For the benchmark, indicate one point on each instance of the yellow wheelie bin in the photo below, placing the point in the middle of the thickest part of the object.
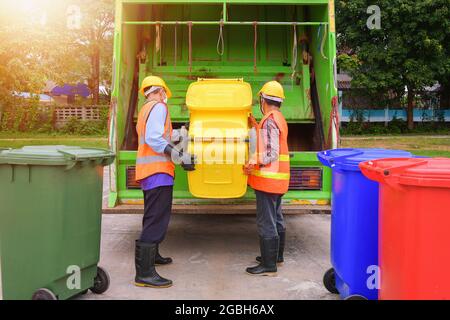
(219, 137)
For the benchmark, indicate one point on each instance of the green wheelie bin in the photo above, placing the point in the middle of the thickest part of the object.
(50, 222)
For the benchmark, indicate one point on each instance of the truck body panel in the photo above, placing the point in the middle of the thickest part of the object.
(182, 42)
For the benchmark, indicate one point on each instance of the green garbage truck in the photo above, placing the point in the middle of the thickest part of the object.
(291, 41)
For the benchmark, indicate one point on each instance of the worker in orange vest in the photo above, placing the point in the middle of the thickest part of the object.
(155, 171)
(269, 175)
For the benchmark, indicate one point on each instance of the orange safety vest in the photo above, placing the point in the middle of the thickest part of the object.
(148, 161)
(275, 177)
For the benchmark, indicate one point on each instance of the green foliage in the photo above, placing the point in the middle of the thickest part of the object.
(80, 127)
(26, 116)
(348, 63)
(411, 49)
(36, 44)
(408, 50)
(395, 126)
(29, 116)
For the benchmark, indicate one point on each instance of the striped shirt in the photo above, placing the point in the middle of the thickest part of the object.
(270, 134)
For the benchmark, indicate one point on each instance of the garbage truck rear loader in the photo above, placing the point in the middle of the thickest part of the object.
(291, 41)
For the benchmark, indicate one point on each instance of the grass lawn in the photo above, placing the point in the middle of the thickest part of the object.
(431, 146)
(18, 140)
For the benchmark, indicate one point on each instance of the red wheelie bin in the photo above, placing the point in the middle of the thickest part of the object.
(414, 227)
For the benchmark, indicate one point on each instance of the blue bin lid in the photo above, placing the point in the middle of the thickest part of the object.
(349, 159)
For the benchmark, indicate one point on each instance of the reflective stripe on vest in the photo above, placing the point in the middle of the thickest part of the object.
(152, 159)
(274, 177)
(148, 161)
(271, 175)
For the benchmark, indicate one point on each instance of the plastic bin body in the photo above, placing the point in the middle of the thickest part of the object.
(219, 135)
(414, 227)
(50, 220)
(354, 221)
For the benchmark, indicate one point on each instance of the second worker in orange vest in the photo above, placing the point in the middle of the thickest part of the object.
(269, 176)
(155, 171)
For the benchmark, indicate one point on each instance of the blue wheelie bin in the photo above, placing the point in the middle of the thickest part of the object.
(354, 223)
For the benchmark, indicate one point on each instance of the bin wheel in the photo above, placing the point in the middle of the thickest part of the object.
(101, 281)
(44, 294)
(329, 281)
(355, 297)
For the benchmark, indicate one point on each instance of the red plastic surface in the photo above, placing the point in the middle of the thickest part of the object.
(414, 227)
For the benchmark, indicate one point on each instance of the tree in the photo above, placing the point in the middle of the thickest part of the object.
(407, 51)
(39, 42)
(94, 37)
(24, 52)
(444, 75)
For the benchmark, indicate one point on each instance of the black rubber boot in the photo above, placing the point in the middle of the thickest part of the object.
(269, 254)
(146, 275)
(160, 261)
(280, 260)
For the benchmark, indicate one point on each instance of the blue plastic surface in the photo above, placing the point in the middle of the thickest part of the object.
(354, 220)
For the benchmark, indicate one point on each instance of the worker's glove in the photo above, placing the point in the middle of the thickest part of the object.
(176, 136)
(180, 136)
(186, 160)
(252, 123)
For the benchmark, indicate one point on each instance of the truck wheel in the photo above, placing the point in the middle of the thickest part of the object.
(101, 281)
(44, 294)
(329, 281)
(355, 297)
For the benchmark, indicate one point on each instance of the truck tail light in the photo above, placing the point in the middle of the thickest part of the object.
(131, 182)
(306, 179)
(301, 179)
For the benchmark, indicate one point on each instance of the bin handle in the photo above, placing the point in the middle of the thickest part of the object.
(75, 158)
(384, 175)
(389, 171)
(394, 169)
(212, 80)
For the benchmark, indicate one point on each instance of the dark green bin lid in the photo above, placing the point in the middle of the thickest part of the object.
(55, 156)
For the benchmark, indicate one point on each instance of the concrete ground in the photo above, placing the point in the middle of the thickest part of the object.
(210, 256)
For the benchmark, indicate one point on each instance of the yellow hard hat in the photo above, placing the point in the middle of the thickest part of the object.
(273, 89)
(153, 81)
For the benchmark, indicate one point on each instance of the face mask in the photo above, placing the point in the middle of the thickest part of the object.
(165, 99)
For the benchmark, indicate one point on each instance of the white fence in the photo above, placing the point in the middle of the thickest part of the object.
(84, 113)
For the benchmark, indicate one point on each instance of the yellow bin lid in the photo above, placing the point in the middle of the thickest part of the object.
(219, 95)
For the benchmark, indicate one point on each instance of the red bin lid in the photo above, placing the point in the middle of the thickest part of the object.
(430, 172)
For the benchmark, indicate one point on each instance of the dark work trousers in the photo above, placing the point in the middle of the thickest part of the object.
(269, 216)
(157, 212)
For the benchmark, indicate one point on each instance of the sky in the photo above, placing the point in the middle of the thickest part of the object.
(32, 11)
